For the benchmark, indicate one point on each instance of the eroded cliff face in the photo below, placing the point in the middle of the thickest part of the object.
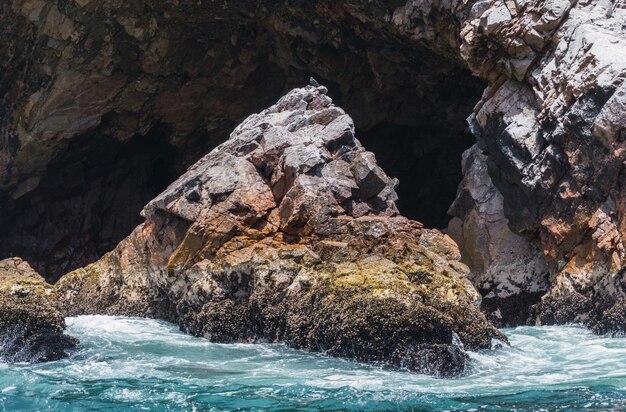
(510, 272)
(541, 205)
(552, 128)
(105, 103)
(289, 232)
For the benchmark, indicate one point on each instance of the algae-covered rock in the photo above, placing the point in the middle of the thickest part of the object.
(289, 232)
(31, 325)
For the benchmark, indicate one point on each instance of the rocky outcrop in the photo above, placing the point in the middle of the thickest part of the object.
(507, 269)
(31, 325)
(288, 232)
(552, 127)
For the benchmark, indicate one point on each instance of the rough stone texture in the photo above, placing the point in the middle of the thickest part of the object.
(507, 269)
(552, 127)
(31, 325)
(551, 123)
(289, 232)
(104, 103)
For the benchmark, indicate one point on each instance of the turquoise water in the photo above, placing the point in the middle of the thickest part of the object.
(126, 364)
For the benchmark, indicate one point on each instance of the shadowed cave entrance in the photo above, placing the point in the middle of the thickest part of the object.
(88, 200)
(427, 163)
(410, 113)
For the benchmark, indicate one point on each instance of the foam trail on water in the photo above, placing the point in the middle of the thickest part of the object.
(128, 363)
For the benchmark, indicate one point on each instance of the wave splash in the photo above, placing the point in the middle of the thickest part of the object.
(128, 363)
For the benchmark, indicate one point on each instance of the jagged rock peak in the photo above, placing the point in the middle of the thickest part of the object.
(288, 232)
(292, 166)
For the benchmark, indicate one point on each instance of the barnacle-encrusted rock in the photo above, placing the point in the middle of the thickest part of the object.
(31, 325)
(289, 232)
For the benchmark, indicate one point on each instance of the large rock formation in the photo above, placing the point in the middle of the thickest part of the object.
(549, 127)
(289, 232)
(103, 104)
(552, 126)
(31, 325)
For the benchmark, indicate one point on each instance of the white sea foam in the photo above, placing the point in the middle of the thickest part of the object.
(131, 361)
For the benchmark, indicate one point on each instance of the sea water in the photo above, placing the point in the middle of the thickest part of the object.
(128, 364)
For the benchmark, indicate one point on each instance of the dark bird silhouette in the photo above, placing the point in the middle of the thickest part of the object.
(313, 82)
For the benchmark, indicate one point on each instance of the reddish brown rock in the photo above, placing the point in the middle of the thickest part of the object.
(289, 232)
(31, 325)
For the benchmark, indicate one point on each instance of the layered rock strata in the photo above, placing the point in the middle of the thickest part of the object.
(31, 325)
(288, 232)
(552, 127)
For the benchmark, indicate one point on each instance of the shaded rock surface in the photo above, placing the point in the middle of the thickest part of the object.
(31, 325)
(288, 232)
(507, 269)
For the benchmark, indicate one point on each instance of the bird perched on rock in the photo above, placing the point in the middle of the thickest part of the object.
(313, 82)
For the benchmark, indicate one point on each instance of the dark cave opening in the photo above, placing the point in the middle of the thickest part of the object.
(409, 107)
(410, 110)
(89, 199)
(427, 164)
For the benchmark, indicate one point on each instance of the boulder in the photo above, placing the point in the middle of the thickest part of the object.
(289, 232)
(31, 325)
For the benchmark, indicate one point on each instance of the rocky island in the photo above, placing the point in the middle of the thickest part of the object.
(289, 232)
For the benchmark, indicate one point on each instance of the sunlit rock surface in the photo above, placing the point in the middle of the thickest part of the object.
(288, 232)
(31, 325)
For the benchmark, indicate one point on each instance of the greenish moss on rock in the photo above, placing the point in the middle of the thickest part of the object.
(289, 232)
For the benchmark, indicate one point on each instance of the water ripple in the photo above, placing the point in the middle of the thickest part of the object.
(131, 364)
